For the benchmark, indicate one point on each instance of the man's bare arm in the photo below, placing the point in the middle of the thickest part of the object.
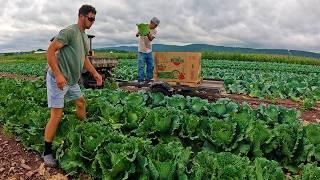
(89, 67)
(53, 63)
(52, 58)
(150, 37)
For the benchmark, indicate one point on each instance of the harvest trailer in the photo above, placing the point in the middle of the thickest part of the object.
(174, 73)
(179, 73)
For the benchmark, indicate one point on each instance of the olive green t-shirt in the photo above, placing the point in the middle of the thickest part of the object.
(72, 55)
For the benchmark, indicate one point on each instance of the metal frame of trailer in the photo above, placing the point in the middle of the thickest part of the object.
(207, 86)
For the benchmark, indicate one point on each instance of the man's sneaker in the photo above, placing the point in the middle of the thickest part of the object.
(49, 161)
(148, 81)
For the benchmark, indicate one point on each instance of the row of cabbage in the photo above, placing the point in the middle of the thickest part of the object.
(300, 83)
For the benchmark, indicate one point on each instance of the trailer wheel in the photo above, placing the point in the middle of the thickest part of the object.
(162, 87)
(84, 80)
(88, 81)
(161, 90)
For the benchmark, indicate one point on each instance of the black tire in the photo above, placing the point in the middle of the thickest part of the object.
(162, 89)
(84, 81)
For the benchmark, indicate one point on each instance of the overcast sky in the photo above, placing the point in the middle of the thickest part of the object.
(285, 24)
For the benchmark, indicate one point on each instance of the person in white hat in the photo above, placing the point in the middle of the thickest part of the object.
(145, 52)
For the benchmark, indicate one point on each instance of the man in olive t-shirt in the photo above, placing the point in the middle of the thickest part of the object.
(67, 56)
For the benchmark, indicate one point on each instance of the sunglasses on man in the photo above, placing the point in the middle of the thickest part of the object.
(91, 19)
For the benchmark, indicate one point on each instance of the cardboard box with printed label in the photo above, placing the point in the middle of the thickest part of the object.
(183, 68)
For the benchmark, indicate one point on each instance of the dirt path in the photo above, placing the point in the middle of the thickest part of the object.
(312, 115)
(308, 116)
(20, 77)
(20, 164)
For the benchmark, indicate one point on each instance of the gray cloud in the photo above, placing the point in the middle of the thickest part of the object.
(287, 24)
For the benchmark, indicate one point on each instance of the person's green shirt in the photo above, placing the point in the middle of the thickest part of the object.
(72, 56)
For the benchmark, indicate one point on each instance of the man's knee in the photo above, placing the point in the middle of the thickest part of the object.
(56, 114)
(81, 102)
